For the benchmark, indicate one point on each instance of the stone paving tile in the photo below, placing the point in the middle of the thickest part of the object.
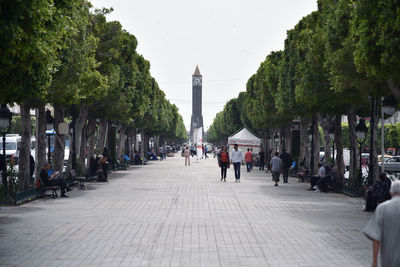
(166, 214)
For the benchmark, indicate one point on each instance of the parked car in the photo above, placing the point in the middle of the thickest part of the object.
(385, 157)
(13, 145)
(391, 164)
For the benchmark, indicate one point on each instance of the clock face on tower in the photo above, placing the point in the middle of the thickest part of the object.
(196, 81)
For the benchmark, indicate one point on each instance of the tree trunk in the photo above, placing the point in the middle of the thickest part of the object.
(146, 143)
(121, 143)
(142, 141)
(90, 133)
(59, 145)
(354, 163)
(134, 141)
(326, 123)
(102, 136)
(373, 166)
(288, 138)
(337, 124)
(80, 124)
(40, 150)
(25, 150)
(156, 143)
(82, 150)
(316, 143)
(304, 142)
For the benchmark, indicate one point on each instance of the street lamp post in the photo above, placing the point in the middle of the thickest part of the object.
(332, 136)
(276, 140)
(5, 125)
(311, 138)
(361, 133)
(49, 126)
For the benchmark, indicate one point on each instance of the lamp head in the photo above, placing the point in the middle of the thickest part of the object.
(389, 105)
(332, 132)
(276, 138)
(49, 120)
(361, 130)
(5, 119)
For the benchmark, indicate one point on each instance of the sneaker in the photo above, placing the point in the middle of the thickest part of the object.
(63, 195)
(275, 184)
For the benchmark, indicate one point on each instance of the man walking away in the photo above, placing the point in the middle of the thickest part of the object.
(205, 152)
(237, 158)
(248, 157)
(262, 159)
(286, 161)
(384, 230)
(276, 168)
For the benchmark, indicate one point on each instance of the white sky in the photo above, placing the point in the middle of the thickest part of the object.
(228, 39)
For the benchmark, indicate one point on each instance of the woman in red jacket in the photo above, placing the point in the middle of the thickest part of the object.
(223, 162)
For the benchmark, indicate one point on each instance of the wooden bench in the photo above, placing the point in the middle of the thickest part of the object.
(79, 180)
(53, 190)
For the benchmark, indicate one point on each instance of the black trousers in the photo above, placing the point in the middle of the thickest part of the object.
(285, 173)
(314, 180)
(104, 167)
(59, 182)
(223, 171)
(262, 163)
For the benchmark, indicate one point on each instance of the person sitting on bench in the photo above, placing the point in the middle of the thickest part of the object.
(53, 180)
(137, 160)
(315, 178)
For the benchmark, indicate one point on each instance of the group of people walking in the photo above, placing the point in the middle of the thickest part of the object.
(278, 164)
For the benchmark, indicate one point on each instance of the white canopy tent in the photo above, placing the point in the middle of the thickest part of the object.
(244, 139)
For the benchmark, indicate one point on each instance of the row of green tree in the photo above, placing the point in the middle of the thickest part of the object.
(61, 53)
(339, 60)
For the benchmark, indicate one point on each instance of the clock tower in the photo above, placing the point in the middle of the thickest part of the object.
(197, 117)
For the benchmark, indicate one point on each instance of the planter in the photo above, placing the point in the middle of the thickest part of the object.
(21, 197)
(352, 192)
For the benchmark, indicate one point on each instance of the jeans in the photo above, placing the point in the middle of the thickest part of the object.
(249, 166)
(236, 166)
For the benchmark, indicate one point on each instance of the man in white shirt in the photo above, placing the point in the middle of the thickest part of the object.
(236, 159)
(321, 174)
(384, 229)
(276, 168)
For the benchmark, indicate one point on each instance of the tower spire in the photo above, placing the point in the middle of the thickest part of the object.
(197, 71)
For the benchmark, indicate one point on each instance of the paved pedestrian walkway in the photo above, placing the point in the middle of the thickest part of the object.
(166, 214)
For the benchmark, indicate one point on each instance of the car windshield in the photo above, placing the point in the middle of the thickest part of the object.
(11, 146)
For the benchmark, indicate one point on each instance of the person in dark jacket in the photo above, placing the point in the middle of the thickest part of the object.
(286, 163)
(52, 180)
(262, 159)
(105, 162)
